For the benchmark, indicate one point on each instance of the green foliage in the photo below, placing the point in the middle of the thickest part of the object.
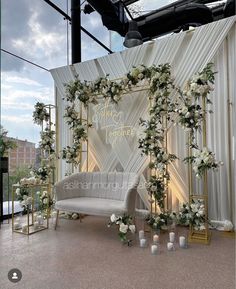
(5, 144)
(14, 178)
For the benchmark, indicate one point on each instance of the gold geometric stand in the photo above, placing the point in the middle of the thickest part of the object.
(202, 237)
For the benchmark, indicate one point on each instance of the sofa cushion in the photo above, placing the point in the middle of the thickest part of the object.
(93, 206)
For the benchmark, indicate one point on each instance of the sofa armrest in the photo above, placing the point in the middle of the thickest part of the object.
(130, 198)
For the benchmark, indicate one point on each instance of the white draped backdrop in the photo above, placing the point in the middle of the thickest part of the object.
(188, 53)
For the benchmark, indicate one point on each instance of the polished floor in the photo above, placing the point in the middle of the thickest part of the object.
(88, 255)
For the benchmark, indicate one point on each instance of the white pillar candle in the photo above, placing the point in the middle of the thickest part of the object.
(155, 239)
(154, 249)
(40, 220)
(172, 237)
(170, 246)
(17, 225)
(17, 220)
(141, 234)
(182, 242)
(36, 225)
(143, 243)
(25, 229)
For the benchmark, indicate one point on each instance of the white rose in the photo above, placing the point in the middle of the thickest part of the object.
(194, 86)
(228, 226)
(132, 228)
(202, 227)
(140, 76)
(113, 218)
(135, 72)
(18, 191)
(153, 188)
(123, 228)
(45, 201)
(201, 212)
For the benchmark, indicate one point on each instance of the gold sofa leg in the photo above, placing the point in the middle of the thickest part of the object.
(56, 220)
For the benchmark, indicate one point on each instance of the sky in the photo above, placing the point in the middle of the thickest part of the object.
(35, 31)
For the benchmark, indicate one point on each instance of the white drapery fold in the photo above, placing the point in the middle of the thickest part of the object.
(188, 52)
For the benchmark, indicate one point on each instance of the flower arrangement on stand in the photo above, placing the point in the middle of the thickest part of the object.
(193, 214)
(125, 224)
(159, 221)
(196, 97)
(203, 160)
(154, 142)
(23, 196)
(40, 113)
(42, 173)
(45, 201)
(43, 115)
(79, 128)
(47, 142)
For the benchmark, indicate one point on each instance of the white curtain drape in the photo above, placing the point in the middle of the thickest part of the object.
(187, 52)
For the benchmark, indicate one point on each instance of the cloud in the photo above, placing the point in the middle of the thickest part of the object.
(22, 80)
(35, 32)
(21, 127)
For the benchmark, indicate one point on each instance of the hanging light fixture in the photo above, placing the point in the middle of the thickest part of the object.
(133, 37)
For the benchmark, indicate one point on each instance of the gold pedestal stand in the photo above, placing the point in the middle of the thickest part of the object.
(30, 221)
(197, 236)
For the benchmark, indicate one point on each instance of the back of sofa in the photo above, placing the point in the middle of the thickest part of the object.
(96, 185)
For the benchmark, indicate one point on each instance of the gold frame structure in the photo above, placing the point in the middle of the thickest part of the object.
(50, 107)
(84, 117)
(204, 235)
(30, 210)
(154, 172)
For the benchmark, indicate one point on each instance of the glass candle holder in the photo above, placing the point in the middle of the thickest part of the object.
(170, 246)
(183, 242)
(143, 243)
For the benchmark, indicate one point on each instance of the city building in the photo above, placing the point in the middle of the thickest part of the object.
(23, 155)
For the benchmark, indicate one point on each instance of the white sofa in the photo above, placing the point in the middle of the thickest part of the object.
(97, 193)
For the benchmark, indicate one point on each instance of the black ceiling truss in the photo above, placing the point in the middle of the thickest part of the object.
(174, 17)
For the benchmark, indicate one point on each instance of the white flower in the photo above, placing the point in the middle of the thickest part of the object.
(45, 201)
(201, 212)
(113, 218)
(132, 228)
(135, 72)
(123, 228)
(140, 76)
(74, 216)
(18, 191)
(165, 157)
(202, 227)
(228, 226)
